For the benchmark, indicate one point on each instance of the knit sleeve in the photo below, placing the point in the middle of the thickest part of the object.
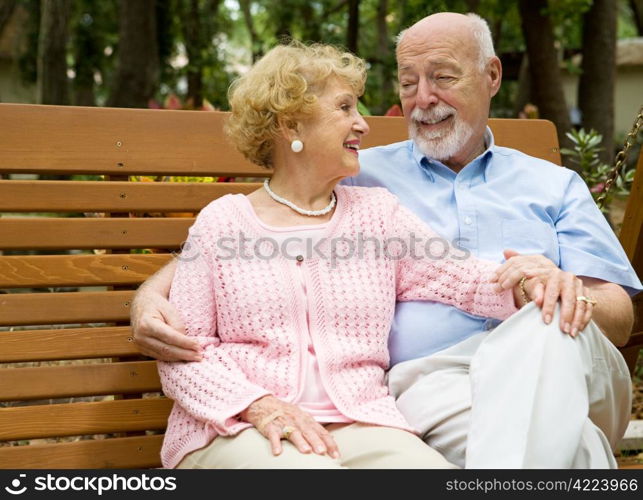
(429, 267)
(215, 389)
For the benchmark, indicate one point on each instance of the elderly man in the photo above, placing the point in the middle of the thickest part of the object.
(532, 392)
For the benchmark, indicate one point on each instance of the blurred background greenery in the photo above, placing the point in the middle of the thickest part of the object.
(587, 55)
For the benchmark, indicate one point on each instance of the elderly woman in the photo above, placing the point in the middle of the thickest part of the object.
(291, 290)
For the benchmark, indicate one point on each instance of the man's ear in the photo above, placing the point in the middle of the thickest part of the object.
(494, 72)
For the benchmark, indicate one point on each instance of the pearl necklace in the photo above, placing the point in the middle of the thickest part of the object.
(310, 213)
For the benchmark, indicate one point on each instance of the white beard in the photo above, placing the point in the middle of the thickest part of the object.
(439, 144)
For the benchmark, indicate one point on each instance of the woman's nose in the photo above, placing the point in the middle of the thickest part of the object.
(361, 125)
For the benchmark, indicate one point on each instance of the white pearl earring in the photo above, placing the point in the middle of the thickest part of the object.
(297, 146)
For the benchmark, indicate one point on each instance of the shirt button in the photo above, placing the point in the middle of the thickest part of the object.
(468, 220)
(299, 258)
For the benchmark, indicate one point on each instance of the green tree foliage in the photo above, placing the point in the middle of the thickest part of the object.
(230, 34)
(585, 154)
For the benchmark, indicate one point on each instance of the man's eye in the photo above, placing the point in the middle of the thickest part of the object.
(345, 107)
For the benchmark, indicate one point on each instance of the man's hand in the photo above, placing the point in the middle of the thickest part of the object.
(158, 329)
(547, 284)
(278, 420)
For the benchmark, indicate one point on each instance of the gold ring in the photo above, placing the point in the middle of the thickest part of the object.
(523, 292)
(266, 420)
(287, 431)
(587, 300)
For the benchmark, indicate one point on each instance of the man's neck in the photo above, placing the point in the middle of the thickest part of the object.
(463, 158)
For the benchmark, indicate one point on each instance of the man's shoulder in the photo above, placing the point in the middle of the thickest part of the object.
(524, 164)
(366, 194)
(379, 163)
(377, 154)
(377, 202)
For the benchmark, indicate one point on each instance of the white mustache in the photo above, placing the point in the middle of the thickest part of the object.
(434, 115)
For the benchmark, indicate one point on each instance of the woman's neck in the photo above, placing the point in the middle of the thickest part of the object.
(305, 191)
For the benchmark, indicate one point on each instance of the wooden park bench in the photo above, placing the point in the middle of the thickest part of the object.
(74, 391)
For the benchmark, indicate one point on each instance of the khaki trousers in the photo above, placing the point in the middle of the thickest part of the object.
(360, 447)
(524, 395)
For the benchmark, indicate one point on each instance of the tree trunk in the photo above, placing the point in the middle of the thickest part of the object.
(637, 11)
(194, 46)
(53, 86)
(137, 67)
(352, 34)
(546, 82)
(283, 11)
(311, 25)
(384, 56)
(6, 10)
(523, 95)
(496, 33)
(254, 39)
(596, 84)
(86, 54)
(472, 5)
(166, 11)
(404, 17)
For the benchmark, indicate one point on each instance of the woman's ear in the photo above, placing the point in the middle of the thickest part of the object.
(289, 129)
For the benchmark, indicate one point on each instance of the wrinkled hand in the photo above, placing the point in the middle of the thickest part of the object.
(546, 284)
(270, 415)
(159, 331)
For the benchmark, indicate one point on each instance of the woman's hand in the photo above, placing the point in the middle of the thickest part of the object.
(546, 284)
(278, 420)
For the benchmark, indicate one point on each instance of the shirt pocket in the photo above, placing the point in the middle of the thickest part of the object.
(530, 237)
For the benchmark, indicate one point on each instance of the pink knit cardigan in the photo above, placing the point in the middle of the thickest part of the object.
(247, 312)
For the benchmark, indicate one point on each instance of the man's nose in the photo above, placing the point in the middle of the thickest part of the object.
(426, 95)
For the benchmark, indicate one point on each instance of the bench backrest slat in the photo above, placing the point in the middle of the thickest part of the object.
(632, 232)
(53, 382)
(74, 196)
(87, 233)
(78, 270)
(60, 139)
(64, 307)
(63, 344)
(126, 142)
(631, 238)
(34, 422)
(135, 452)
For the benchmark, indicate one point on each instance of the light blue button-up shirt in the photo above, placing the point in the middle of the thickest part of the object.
(503, 199)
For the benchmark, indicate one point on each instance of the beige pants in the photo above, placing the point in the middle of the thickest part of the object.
(522, 396)
(360, 446)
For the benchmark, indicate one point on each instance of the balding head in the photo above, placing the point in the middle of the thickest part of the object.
(448, 74)
(470, 28)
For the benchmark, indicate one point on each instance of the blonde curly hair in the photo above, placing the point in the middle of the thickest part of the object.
(282, 87)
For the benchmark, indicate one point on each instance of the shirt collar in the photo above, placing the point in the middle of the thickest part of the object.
(480, 163)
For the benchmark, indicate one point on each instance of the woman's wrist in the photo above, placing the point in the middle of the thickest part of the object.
(245, 415)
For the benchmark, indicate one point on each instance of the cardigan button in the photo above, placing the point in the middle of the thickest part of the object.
(299, 258)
